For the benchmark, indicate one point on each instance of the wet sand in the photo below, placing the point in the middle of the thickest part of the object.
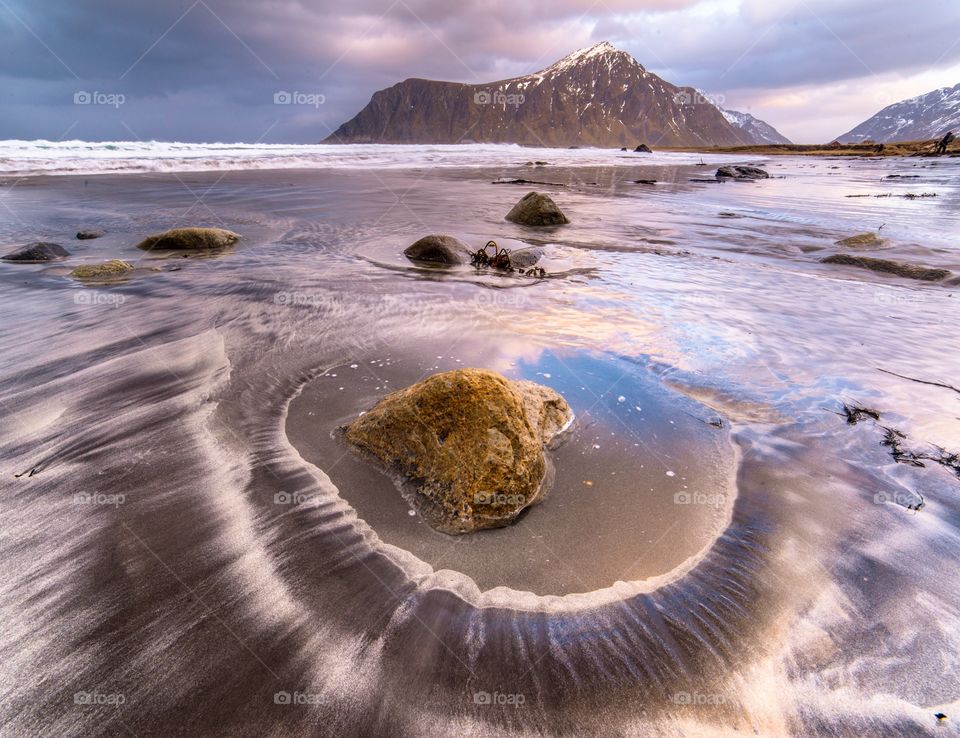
(188, 555)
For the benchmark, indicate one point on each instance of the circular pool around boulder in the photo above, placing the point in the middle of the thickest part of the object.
(644, 480)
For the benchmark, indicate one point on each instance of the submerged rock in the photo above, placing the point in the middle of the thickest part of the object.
(468, 443)
(901, 269)
(107, 270)
(37, 252)
(537, 209)
(862, 241)
(178, 239)
(438, 249)
(741, 172)
(87, 234)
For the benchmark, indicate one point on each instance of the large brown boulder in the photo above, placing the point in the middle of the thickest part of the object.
(537, 209)
(178, 239)
(467, 444)
(438, 249)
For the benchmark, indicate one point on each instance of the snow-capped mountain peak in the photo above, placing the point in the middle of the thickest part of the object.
(755, 130)
(919, 118)
(603, 51)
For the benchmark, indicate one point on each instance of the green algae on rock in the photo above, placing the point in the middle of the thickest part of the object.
(862, 240)
(178, 239)
(901, 269)
(104, 271)
(469, 444)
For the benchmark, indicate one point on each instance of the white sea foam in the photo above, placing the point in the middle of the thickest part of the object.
(86, 158)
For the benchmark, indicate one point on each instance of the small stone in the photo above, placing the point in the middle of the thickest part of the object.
(88, 234)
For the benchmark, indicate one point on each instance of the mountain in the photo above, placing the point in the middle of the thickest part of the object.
(917, 119)
(755, 131)
(599, 96)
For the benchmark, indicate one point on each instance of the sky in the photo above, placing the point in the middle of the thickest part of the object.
(291, 71)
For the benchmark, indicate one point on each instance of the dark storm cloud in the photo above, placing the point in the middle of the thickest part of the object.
(208, 69)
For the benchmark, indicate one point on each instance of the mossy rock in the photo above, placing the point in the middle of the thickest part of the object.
(862, 241)
(901, 269)
(104, 271)
(195, 239)
(468, 444)
(537, 209)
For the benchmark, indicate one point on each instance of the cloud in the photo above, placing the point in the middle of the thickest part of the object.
(208, 69)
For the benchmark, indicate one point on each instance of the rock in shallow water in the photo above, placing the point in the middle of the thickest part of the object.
(438, 249)
(901, 269)
(537, 209)
(105, 271)
(38, 252)
(469, 442)
(862, 240)
(190, 238)
(89, 233)
(741, 172)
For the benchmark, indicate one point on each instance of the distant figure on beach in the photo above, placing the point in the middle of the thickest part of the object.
(944, 142)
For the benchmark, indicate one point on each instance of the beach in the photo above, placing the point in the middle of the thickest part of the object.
(189, 542)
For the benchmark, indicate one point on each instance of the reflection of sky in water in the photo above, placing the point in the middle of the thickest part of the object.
(633, 448)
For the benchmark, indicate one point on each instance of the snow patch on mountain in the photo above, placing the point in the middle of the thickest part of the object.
(919, 118)
(755, 130)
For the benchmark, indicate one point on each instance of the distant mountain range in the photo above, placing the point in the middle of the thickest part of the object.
(919, 118)
(755, 130)
(599, 96)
